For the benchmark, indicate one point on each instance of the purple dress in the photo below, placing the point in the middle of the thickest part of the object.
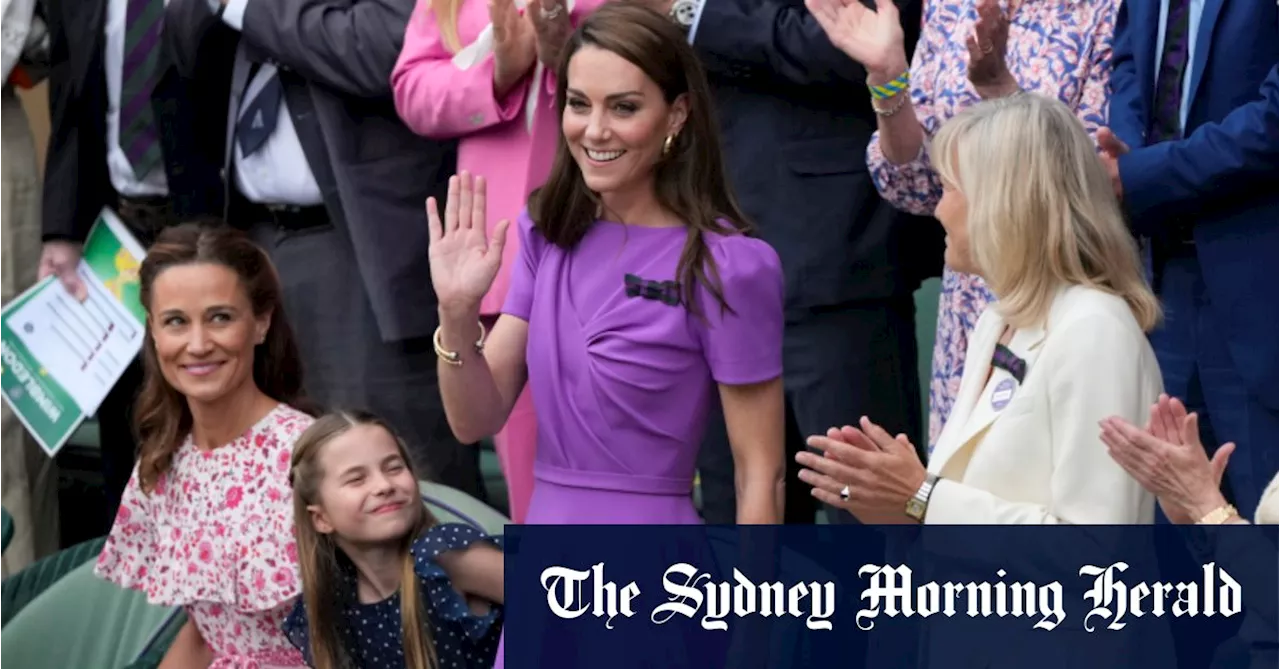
(623, 381)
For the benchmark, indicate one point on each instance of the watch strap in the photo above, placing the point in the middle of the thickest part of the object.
(918, 505)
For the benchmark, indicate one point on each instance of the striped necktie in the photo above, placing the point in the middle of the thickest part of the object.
(139, 136)
(1166, 114)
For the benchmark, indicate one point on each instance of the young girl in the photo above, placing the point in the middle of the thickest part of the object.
(362, 534)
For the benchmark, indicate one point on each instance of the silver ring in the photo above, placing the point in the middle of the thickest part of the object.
(844, 493)
(552, 13)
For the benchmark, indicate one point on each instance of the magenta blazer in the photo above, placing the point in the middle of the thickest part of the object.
(511, 141)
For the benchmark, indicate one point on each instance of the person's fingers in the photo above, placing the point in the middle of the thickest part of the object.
(451, 206)
(499, 239)
(466, 194)
(821, 481)
(1219, 462)
(883, 440)
(1189, 429)
(853, 455)
(478, 204)
(435, 228)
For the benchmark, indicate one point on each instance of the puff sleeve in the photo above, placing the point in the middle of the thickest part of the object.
(743, 343)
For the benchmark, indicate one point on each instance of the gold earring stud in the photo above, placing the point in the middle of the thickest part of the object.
(666, 145)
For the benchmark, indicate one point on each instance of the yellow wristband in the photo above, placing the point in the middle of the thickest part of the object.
(891, 88)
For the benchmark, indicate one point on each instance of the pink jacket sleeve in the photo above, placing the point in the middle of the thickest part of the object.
(439, 98)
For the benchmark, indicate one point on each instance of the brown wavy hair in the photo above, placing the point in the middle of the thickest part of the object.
(689, 180)
(318, 554)
(161, 415)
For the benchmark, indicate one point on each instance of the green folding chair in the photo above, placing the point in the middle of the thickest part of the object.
(85, 622)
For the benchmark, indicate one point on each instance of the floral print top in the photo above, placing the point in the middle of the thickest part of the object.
(216, 537)
(1059, 48)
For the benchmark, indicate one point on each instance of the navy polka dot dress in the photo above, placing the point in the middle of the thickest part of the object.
(463, 639)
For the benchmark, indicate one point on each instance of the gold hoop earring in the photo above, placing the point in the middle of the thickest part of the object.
(666, 145)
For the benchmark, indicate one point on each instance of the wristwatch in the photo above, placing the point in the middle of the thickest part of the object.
(919, 502)
(684, 12)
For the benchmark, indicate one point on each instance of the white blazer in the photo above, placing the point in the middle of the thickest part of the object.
(1036, 457)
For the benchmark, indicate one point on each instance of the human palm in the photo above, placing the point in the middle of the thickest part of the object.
(515, 43)
(872, 37)
(463, 260)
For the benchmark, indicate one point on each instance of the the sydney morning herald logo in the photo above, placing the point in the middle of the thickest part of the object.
(890, 591)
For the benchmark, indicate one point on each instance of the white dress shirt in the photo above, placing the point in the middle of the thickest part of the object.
(278, 172)
(119, 168)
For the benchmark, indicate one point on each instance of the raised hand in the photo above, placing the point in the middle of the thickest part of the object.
(514, 45)
(873, 38)
(551, 24)
(463, 261)
(987, 44)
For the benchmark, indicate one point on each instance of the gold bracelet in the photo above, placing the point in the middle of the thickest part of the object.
(453, 357)
(897, 106)
(1218, 516)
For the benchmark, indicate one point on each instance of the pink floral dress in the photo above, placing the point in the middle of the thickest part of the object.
(216, 537)
(1056, 48)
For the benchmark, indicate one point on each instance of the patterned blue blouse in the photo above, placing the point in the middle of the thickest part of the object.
(463, 639)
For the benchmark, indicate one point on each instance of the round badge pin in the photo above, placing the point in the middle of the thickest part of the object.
(1002, 394)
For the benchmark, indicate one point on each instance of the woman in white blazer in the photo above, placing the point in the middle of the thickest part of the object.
(1027, 206)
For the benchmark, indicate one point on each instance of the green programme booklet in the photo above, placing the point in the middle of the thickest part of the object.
(61, 356)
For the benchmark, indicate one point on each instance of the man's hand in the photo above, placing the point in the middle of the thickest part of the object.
(1112, 149)
(62, 258)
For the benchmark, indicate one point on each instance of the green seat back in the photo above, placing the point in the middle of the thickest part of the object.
(23, 587)
(450, 505)
(84, 622)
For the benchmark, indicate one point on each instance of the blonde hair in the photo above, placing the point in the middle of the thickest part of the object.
(1042, 213)
(446, 12)
(318, 554)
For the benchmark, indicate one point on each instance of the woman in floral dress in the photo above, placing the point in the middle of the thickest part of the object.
(969, 50)
(206, 521)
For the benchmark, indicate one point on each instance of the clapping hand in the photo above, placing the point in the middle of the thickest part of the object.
(882, 472)
(514, 45)
(1112, 149)
(552, 26)
(463, 261)
(873, 38)
(1169, 460)
(987, 44)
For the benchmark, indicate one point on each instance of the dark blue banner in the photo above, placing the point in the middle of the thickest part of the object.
(854, 596)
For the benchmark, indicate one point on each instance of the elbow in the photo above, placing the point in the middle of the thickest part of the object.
(413, 107)
(466, 434)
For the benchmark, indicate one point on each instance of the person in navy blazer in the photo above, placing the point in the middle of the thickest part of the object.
(1192, 150)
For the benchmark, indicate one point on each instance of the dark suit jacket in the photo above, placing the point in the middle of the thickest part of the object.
(1222, 176)
(796, 117)
(77, 184)
(335, 59)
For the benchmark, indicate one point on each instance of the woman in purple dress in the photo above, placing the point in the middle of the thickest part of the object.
(638, 295)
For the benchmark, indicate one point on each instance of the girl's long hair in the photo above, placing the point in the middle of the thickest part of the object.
(319, 560)
(689, 180)
(161, 415)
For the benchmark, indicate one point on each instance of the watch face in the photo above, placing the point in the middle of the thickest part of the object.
(915, 509)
